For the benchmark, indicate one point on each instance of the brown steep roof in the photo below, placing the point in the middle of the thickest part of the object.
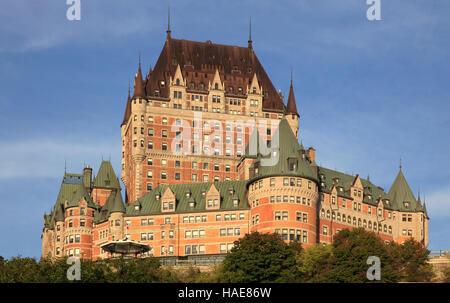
(291, 107)
(199, 62)
(127, 113)
(139, 84)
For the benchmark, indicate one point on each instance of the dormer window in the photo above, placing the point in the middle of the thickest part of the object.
(231, 191)
(406, 204)
(157, 196)
(235, 202)
(163, 83)
(156, 93)
(136, 207)
(191, 204)
(188, 194)
(292, 164)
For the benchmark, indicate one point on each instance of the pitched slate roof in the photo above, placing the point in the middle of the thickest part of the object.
(106, 177)
(113, 204)
(199, 62)
(80, 194)
(149, 205)
(288, 148)
(329, 177)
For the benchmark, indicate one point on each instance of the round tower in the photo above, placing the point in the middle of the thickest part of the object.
(78, 224)
(283, 196)
(138, 130)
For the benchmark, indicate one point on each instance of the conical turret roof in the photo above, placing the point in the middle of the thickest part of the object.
(291, 107)
(79, 195)
(139, 91)
(400, 192)
(288, 150)
(106, 177)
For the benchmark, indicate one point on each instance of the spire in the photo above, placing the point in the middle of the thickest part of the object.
(250, 35)
(139, 83)
(168, 23)
(291, 107)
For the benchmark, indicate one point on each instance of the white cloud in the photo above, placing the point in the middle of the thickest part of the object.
(438, 203)
(44, 158)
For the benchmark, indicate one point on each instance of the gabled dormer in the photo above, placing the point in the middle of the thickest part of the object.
(357, 189)
(212, 198)
(178, 79)
(380, 207)
(333, 195)
(254, 87)
(168, 201)
(217, 83)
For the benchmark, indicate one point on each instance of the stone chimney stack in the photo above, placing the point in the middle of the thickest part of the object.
(312, 154)
(87, 178)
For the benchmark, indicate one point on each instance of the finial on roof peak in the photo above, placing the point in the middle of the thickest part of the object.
(400, 166)
(250, 42)
(168, 23)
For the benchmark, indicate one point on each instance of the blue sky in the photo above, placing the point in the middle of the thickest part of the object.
(368, 92)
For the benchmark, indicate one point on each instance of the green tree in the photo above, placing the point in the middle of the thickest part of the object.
(410, 261)
(351, 249)
(314, 264)
(260, 258)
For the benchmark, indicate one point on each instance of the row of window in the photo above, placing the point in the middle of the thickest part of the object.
(293, 234)
(71, 224)
(73, 239)
(177, 176)
(357, 222)
(286, 182)
(177, 163)
(290, 199)
(230, 232)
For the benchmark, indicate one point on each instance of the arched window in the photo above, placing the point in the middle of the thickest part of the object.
(216, 86)
(354, 220)
(390, 229)
(385, 228)
(364, 223)
(339, 216)
(328, 214)
(370, 225)
(135, 117)
(178, 81)
(322, 213)
(359, 222)
(142, 118)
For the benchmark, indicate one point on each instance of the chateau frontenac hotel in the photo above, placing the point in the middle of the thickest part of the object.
(210, 152)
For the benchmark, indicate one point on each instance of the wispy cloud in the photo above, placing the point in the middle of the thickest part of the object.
(438, 203)
(45, 157)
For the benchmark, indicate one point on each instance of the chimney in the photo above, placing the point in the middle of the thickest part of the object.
(87, 179)
(312, 154)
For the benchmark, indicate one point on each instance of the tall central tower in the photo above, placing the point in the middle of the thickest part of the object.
(214, 93)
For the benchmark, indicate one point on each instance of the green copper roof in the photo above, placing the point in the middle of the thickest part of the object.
(329, 177)
(149, 205)
(400, 192)
(79, 195)
(106, 177)
(288, 150)
(113, 204)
